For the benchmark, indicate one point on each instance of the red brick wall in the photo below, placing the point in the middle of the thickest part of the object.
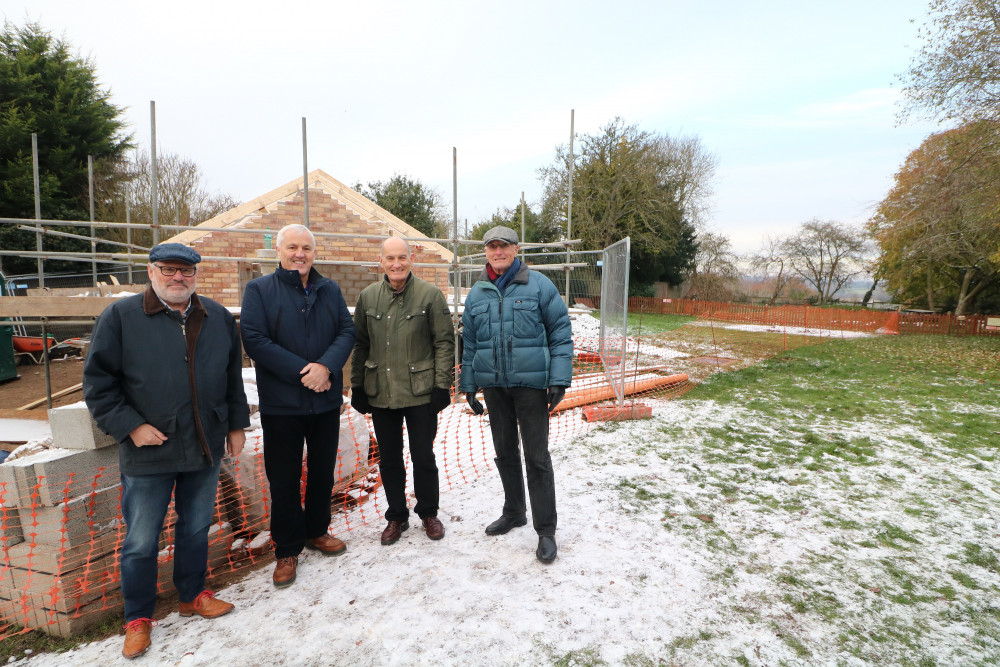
(220, 280)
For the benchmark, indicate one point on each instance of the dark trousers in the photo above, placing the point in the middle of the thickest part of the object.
(527, 407)
(291, 525)
(145, 499)
(421, 427)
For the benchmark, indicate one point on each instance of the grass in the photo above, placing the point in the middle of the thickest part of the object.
(34, 642)
(647, 324)
(867, 468)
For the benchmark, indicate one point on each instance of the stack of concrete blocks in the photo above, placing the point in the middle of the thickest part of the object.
(244, 495)
(61, 529)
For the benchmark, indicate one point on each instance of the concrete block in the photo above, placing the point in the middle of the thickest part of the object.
(54, 559)
(74, 428)
(62, 478)
(31, 611)
(11, 533)
(70, 590)
(17, 479)
(76, 522)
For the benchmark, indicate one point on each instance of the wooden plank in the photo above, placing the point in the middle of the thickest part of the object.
(53, 306)
(7, 413)
(58, 394)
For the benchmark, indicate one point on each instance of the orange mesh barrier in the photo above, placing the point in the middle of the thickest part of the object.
(840, 319)
(61, 530)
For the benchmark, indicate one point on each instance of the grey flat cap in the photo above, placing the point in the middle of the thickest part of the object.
(175, 251)
(505, 234)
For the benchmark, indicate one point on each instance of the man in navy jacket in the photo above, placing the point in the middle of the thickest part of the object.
(299, 333)
(518, 347)
(163, 376)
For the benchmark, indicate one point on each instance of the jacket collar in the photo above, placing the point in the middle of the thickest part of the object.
(522, 276)
(151, 303)
(293, 278)
(406, 285)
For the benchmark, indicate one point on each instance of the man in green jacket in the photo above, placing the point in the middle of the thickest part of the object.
(402, 368)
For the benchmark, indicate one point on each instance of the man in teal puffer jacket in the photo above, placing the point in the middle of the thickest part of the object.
(518, 347)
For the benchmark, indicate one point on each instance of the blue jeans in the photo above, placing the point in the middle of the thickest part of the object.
(145, 499)
(523, 411)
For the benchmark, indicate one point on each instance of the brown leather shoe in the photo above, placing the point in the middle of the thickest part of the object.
(205, 605)
(137, 637)
(434, 528)
(284, 571)
(393, 531)
(328, 544)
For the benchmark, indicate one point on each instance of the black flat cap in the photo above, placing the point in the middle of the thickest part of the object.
(174, 251)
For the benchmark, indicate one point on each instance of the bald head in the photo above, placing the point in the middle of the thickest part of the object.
(394, 245)
(396, 260)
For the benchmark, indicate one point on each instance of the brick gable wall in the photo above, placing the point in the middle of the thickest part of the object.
(223, 281)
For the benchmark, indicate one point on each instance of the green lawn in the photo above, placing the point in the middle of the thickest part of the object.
(844, 498)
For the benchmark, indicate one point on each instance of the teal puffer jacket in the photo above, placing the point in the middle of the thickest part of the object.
(521, 338)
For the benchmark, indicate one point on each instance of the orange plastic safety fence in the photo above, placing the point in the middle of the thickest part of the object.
(61, 530)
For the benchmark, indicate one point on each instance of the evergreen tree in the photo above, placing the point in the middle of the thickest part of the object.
(46, 90)
(410, 201)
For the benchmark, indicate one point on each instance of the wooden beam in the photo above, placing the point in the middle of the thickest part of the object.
(58, 394)
(53, 306)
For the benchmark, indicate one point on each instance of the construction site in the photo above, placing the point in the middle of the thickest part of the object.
(61, 527)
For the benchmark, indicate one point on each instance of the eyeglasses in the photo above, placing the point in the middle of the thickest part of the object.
(171, 271)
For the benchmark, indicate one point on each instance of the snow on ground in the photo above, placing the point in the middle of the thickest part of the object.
(778, 328)
(467, 599)
(639, 577)
(587, 331)
(685, 539)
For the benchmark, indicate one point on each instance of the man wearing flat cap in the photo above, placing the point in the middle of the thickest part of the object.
(518, 348)
(163, 376)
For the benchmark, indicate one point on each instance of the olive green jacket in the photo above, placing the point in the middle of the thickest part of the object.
(404, 344)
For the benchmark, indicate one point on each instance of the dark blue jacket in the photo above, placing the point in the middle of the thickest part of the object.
(521, 338)
(145, 366)
(284, 329)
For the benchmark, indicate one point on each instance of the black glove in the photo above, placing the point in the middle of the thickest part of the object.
(555, 396)
(359, 400)
(477, 407)
(440, 399)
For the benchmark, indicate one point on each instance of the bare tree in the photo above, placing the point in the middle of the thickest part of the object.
(183, 198)
(827, 254)
(715, 276)
(690, 168)
(955, 76)
(771, 265)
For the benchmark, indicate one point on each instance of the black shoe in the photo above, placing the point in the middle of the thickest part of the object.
(546, 551)
(503, 525)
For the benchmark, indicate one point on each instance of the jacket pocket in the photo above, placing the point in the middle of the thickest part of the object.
(422, 377)
(480, 315)
(371, 377)
(166, 424)
(221, 413)
(527, 318)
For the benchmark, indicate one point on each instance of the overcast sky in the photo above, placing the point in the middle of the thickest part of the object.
(797, 100)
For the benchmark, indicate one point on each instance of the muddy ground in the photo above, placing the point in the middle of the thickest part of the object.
(30, 386)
